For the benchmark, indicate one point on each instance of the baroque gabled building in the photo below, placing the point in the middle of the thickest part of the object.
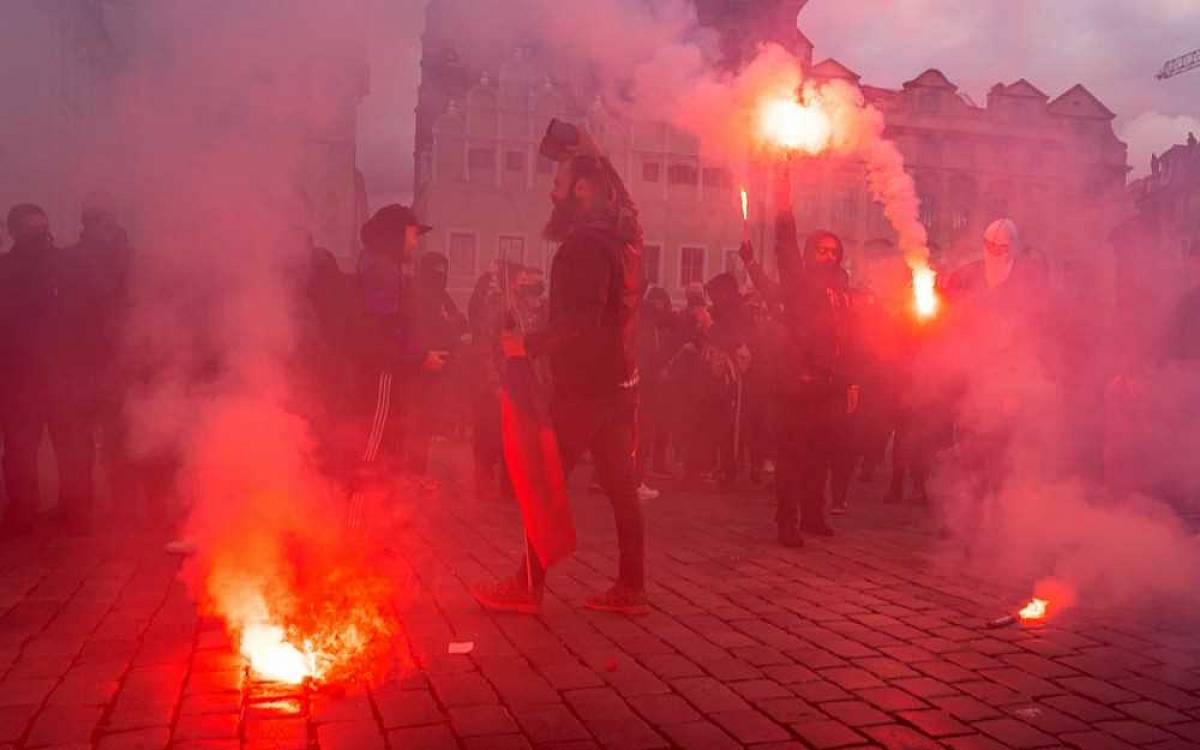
(1053, 164)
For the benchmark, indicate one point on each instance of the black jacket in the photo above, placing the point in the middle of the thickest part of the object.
(817, 352)
(595, 295)
(31, 320)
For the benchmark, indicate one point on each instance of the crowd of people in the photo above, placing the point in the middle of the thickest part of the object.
(801, 379)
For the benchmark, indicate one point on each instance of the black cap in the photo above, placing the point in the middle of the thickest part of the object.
(390, 221)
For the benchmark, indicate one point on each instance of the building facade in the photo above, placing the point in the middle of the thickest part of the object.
(1054, 165)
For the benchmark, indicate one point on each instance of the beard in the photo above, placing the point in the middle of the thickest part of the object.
(564, 217)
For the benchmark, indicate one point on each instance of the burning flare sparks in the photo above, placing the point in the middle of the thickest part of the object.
(925, 298)
(272, 657)
(1034, 610)
(745, 206)
(793, 126)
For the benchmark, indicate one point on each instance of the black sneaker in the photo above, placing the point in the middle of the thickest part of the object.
(619, 599)
(509, 595)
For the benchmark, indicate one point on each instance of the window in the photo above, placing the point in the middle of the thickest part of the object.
(512, 249)
(691, 265)
(682, 174)
(481, 162)
(845, 211)
(514, 161)
(462, 254)
(715, 177)
(650, 171)
(652, 263)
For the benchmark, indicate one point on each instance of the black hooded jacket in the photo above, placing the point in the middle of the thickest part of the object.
(595, 295)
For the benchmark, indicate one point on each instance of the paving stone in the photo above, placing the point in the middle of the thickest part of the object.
(350, 735)
(965, 708)
(1045, 718)
(945, 671)
(141, 739)
(855, 713)
(661, 710)
(57, 725)
(407, 708)
(891, 699)
(700, 735)
(755, 690)
(626, 731)
(551, 724)
(473, 721)
(1097, 690)
(788, 710)
(1133, 732)
(750, 727)
(709, 695)
(824, 734)
(497, 742)
(436, 737)
(463, 689)
(935, 722)
(1013, 733)
(1095, 741)
(898, 737)
(852, 678)
(1082, 708)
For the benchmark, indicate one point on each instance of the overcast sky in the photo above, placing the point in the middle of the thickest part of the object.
(1113, 47)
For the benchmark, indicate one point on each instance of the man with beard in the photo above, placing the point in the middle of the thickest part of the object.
(31, 342)
(815, 389)
(591, 342)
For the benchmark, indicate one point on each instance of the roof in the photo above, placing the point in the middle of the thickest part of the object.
(831, 68)
(931, 79)
(1021, 88)
(1077, 101)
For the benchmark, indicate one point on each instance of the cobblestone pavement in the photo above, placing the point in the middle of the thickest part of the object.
(866, 639)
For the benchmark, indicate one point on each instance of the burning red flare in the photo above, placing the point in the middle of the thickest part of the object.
(272, 657)
(794, 126)
(1034, 610)
(925, 297)
(745, 206)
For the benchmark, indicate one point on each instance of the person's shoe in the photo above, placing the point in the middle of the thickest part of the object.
(646, 492)
(789, 536)
(817, 529)
(660, 474)
(509, 595)
(838, 509)
(596, 487)
(619, 599)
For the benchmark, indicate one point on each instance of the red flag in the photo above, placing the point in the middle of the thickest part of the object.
(534, 466)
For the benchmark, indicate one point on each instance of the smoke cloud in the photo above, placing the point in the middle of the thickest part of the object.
(204, 130)
(1057, 513)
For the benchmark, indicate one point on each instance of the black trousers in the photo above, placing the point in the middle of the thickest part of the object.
(24, 418)
(607, 427)
(814, 449)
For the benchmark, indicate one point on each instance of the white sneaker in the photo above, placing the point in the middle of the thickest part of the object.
(646, 492)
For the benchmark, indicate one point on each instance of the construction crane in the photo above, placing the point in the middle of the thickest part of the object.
(1181, 64)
